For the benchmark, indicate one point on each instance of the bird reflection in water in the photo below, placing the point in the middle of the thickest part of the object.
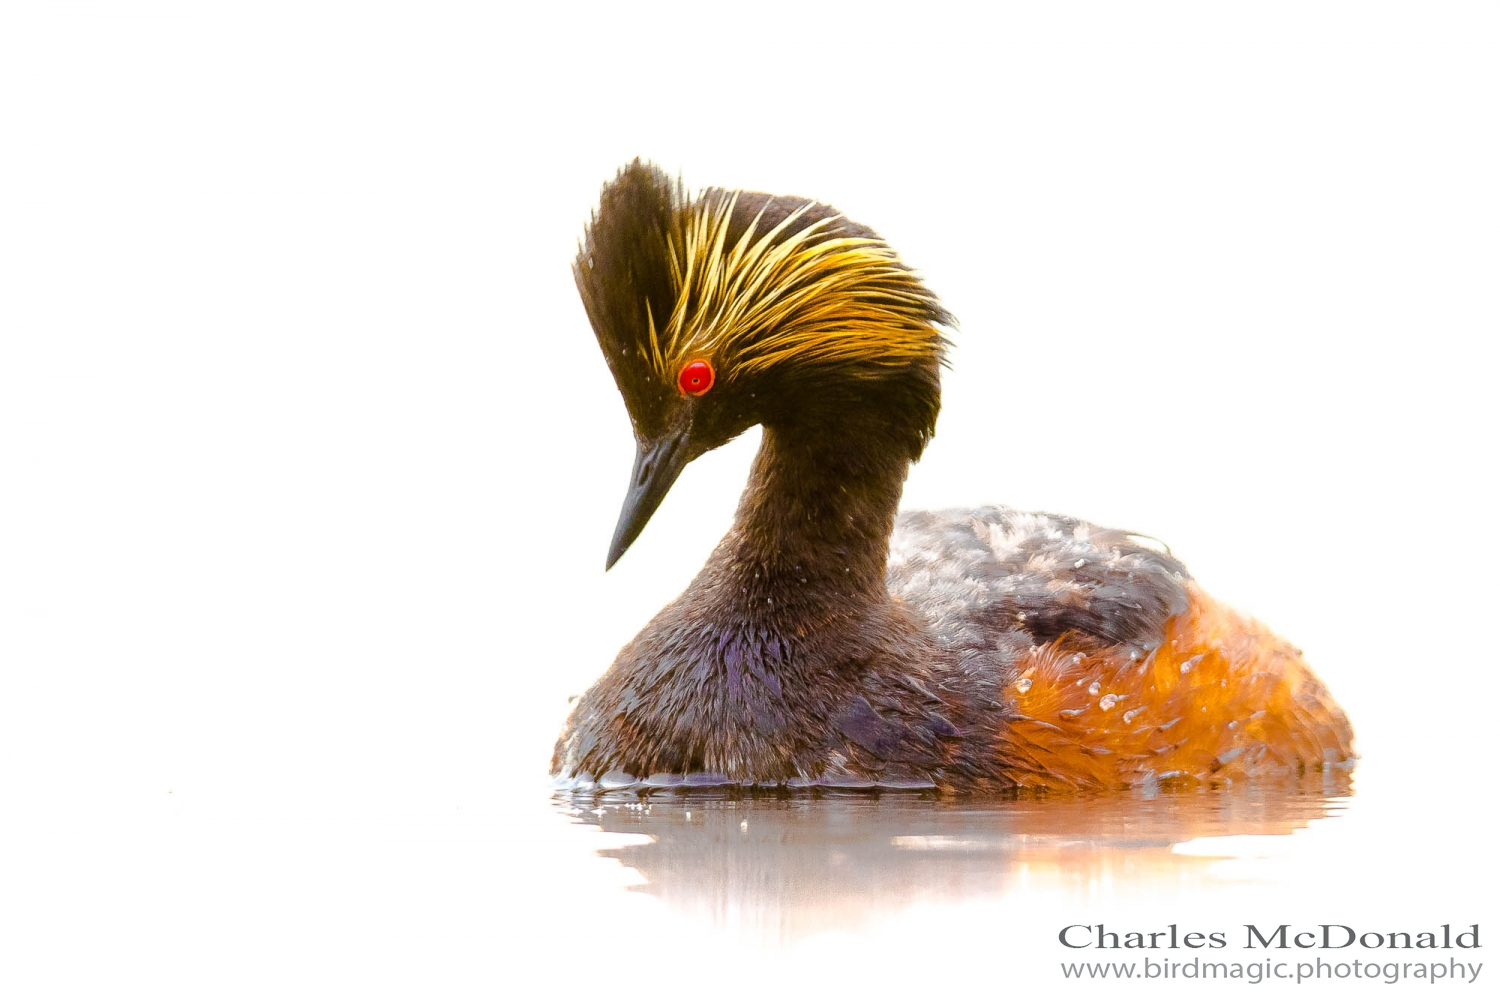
(790, 864)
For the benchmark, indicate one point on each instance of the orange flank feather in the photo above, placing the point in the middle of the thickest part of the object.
(1221, 699)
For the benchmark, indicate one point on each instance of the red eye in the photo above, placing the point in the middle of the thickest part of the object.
(696, 378)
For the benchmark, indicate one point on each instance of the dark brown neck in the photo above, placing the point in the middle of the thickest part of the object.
(810, 537)
(752, 667)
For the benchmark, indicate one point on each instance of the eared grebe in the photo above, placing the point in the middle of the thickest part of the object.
(829, 641)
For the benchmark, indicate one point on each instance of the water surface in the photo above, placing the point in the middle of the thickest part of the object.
(785, 866)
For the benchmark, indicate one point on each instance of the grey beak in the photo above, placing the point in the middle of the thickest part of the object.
(657, 465)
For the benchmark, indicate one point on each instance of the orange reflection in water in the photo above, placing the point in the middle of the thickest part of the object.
(785, 866)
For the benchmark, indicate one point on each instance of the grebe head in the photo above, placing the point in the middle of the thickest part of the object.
(733, 309)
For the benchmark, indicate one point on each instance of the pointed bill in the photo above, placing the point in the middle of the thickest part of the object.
(657, 465)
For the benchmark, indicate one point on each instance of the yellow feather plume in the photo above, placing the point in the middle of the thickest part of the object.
(805, 298)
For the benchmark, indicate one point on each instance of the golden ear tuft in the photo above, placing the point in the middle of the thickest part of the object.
(788, 296)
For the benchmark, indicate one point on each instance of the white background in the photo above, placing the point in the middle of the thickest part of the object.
(308, 461)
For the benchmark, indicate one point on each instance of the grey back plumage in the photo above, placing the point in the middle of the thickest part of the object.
(981, 576)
